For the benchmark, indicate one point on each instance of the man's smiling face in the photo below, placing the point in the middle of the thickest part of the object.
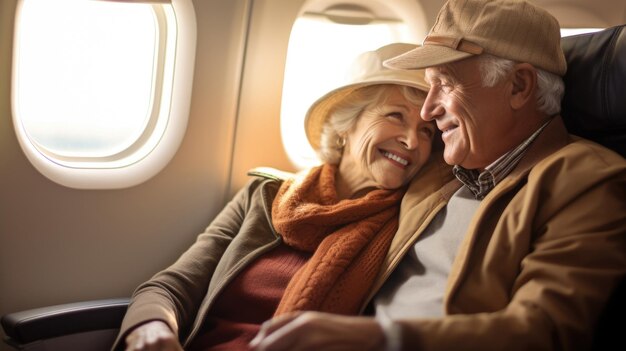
(474, 120)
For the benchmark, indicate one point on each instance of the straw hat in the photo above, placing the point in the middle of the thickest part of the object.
(367, 70)
(511, 29)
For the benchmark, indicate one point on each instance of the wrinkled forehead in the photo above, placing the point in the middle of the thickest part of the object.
(455, 71)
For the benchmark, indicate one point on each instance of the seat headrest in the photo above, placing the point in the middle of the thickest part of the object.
(594, 105)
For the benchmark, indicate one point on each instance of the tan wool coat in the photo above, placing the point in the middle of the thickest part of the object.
(540, 258)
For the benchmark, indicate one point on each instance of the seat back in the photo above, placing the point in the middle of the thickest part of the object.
(594, 105)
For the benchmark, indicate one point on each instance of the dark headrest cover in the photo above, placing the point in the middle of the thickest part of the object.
(594, 105)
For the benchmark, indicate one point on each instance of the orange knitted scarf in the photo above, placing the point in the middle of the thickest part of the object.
(349, 240)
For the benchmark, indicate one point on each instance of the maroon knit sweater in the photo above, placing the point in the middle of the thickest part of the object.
(248, 301)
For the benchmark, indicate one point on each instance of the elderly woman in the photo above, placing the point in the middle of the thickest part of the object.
(311, 242)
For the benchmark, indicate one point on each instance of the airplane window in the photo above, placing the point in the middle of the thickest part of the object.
(566, 32)
(93, 85)
(85, 75)
(321, 48)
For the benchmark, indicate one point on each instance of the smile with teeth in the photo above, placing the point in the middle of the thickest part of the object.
(394, 157)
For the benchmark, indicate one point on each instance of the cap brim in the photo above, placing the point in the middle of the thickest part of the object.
(425, 56)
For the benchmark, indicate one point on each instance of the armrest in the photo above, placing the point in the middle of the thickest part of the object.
(49, 322)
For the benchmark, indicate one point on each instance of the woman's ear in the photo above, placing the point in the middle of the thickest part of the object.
(524, 82)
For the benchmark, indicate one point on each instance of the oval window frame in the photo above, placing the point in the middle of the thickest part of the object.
(158, 142)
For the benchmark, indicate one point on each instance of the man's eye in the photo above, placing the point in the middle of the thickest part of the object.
(447, 88)
(447, 84)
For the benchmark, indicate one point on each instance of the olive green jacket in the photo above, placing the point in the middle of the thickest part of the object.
(182, 294)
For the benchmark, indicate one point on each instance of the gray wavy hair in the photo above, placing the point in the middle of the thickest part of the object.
(346, 112)
(550, 87)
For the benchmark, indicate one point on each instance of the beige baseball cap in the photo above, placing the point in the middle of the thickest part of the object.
(366, 70)
(512, 29)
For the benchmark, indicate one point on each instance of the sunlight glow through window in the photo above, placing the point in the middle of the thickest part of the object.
(320, 53)
(566, 32)
(85, 74)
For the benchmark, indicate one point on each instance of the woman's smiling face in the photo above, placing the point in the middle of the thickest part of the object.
(389, 142)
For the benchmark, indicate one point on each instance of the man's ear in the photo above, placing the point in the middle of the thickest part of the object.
(524, 85)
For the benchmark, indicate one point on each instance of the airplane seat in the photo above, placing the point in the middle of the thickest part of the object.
(594, 107)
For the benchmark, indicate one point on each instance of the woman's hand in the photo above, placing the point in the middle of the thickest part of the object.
(313, 331)
(155, 335)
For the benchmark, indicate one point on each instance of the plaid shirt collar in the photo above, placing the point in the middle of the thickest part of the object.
(481, 183)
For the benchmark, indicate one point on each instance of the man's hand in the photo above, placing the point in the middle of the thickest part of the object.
(152, 336)
(313, 331)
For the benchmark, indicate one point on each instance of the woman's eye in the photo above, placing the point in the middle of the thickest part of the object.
(395, 115)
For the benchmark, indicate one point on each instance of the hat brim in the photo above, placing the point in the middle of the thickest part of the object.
(425, 56)
(320, 110)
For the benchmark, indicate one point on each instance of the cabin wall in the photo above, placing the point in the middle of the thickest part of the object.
(60, 245)
(258, 141)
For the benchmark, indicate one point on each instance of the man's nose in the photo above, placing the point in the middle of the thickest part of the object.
(431, 108)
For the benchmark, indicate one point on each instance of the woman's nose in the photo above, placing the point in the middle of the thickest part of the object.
(409, 139)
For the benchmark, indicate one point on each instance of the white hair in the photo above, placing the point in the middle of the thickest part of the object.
(346, 112)
(550, 87)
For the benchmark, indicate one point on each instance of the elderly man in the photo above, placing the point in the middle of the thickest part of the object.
(523, 249)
